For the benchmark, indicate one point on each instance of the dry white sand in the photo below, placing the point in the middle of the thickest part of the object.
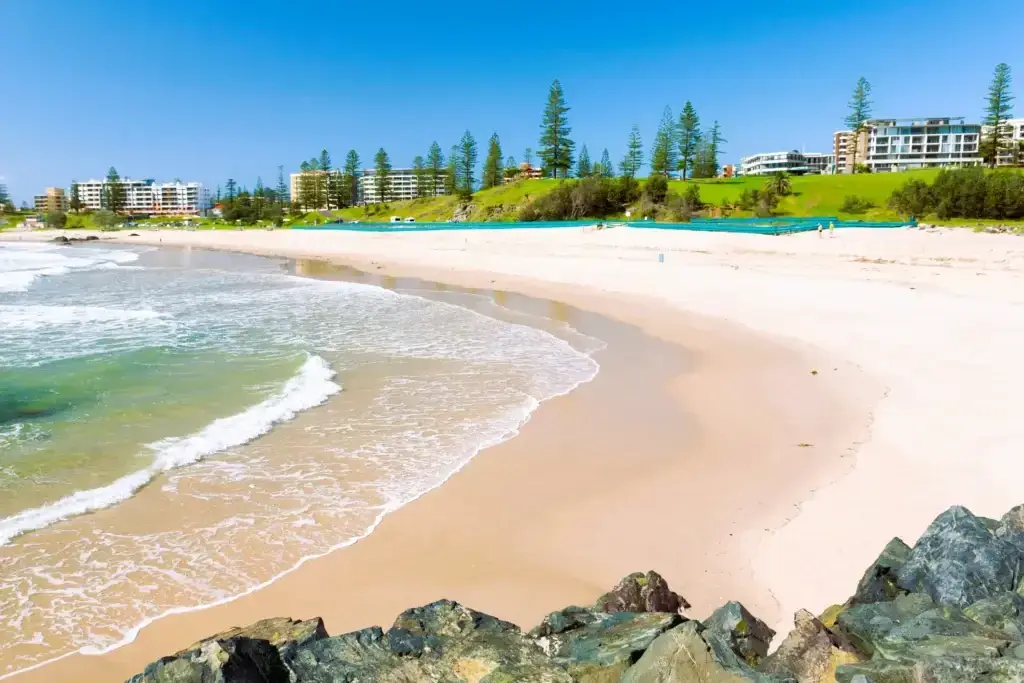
(937, 316)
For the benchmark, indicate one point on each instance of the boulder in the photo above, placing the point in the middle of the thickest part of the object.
(91, 238)
(745, 634)
(233, 660)
(684, 655)
(811, 653)
(641, 593)
(912, 628)
(442, 641)
(960, 560)
(1003, 612)
(283, 633)
(61, 239)
(596, 646)
(879, 582)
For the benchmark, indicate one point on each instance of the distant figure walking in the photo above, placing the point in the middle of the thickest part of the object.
(819, 230)
(831, 229)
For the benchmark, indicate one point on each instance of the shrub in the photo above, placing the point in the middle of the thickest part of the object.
(56, 219)
(964, 193)
(855, 204)
(656, 189)
(586, 198)
(106, 219)
(779, 184)
(762, 202)
(914, 198)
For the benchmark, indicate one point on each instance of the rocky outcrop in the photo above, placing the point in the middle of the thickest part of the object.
(641, 593)
(745, 634)
(949, 609)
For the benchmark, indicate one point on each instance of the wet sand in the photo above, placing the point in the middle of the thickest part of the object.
(697, 438)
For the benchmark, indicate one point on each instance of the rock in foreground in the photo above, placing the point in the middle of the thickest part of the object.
(948, 610)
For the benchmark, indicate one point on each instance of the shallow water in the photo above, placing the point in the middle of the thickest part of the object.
(180, 427)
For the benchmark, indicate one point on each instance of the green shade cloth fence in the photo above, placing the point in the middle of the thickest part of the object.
(753, 226)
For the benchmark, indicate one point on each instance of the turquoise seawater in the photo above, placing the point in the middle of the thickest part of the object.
(180, 427)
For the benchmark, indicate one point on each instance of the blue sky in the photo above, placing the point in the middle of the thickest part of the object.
(209, 89)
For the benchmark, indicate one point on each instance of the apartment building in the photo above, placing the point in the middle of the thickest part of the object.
(906, 144)
(295, 184)
(144, 197)
(402, 181)
(52, 201)
(794, 163)
(1011, 153)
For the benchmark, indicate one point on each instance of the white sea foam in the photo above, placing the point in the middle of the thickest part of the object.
(310, 387)
(23, 264)
(35, 317)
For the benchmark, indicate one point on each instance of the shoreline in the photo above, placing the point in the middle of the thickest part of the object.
(155, 636)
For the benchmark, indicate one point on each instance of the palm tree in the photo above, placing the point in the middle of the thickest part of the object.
(779, 184)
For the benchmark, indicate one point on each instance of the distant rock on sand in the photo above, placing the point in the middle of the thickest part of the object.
(948, 610)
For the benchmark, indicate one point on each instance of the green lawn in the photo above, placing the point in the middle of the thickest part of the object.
(812, 196)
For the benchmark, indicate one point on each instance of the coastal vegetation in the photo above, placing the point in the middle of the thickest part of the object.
(947, 610)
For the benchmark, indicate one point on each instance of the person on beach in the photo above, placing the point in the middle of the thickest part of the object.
(819, 231)
(831, 229)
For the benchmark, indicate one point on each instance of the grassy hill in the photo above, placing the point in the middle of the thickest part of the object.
(815, 195)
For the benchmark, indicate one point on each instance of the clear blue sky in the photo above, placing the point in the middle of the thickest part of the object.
(209, 89)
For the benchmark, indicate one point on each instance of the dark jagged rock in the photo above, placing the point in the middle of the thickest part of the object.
(641, 593)
(811, 653)
(959, 560)
(61, 239)
(442, 641)
(912, 628)
(879, 582)
(238, 654)
(745, 634)
(233, 660)
(596, 646)
(689, 654)
(950, 610)
(1003, 612)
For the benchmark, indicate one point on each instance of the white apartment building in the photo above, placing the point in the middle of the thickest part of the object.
(794, 163)
(1012, 151)
(144, 196)
(402, 183)
(906, 144)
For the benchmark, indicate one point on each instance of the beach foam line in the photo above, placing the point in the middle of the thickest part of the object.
(527, 411)
(309, 388)
(36, 316)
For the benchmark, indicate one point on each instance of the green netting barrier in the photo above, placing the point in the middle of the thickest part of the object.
(426, 227)
(767, 226)
(753, 226)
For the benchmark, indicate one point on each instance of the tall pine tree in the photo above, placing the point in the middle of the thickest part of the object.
(860, 111)
(664, 153)
(382, 176)
(451, 178)
(634, 159)
(555, 145)
(115, 197)
(492, 164)
(583, 168)
(607, 169)
(998, 108)
(419, 172)
(435, 169)
(325, 180)
(467, 162)
(689, 138)
(351, 176)
(282, 187)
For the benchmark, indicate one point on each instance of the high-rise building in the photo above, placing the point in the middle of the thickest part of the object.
(144, 197)
(52, 201)
(1011, 151)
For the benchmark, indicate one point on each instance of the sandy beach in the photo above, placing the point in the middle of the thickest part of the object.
(769, 412)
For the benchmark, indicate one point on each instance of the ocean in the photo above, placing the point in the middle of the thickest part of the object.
(181, 427)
